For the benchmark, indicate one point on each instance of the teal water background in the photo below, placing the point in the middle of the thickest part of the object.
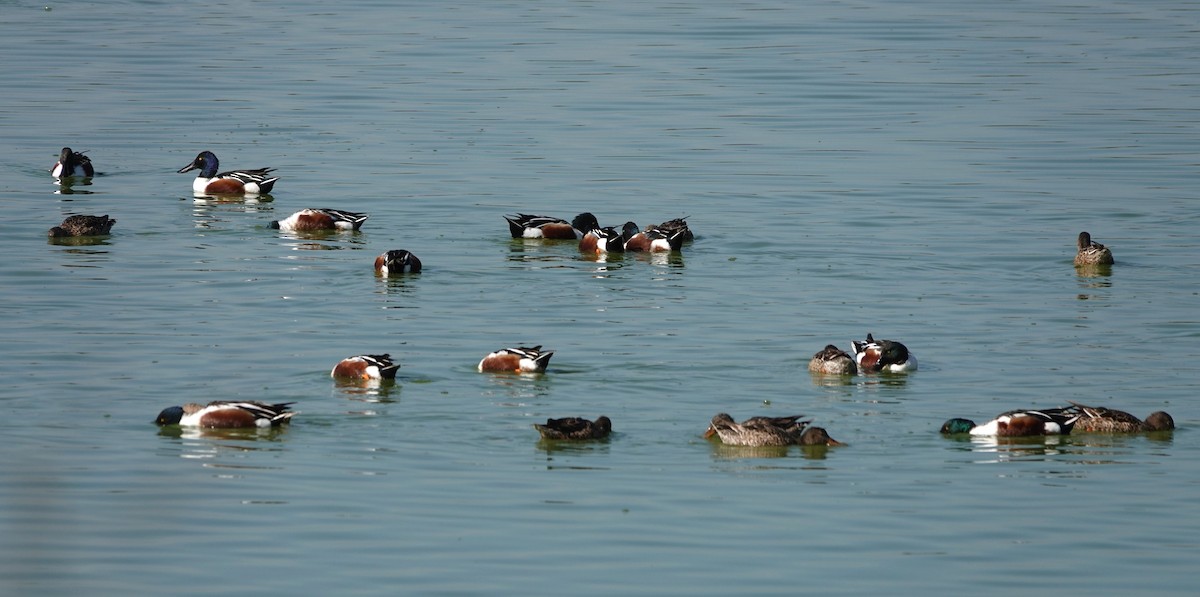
(918, 170)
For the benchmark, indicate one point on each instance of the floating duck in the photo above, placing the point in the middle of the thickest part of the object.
(83, 226)
(223, 414)
(832, 361)
(1092, 252)
(517, 360)
(233, 182)
(366, 366)
(397, 261)
(602, 240)
(768, 431)
(313, 220)
(1017, 423)
(670, 227)
(653, 240)
(1098, 419)
(531, 226)
(575, 428)
(72, 164)
(889, 356)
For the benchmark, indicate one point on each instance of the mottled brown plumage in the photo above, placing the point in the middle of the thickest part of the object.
(83, 226)
(1091, 252)
(1098, 419)
(832, 361)
(575, 428)
(767, 431)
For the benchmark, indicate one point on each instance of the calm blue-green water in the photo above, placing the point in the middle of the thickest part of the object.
(918, 170)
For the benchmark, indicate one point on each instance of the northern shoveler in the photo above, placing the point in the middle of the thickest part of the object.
(517, 360)
(602, 240)
(873, 356)
(531, 226)
(1017, 423)
(768, 431)
(397, 261)
(653, 239)
(575, 428)
(1092, 252)
(671, 227)
(1098, 419)
(313, 220)
(366, 366)
(832, 361)
(233, 182)
(227, 414)
(72, 163)
(83, 226)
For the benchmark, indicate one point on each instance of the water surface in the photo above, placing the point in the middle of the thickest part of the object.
(919, 172)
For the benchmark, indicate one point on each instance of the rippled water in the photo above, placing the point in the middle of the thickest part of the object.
(916, 171)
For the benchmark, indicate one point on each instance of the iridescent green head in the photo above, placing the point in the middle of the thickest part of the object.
(954, 426)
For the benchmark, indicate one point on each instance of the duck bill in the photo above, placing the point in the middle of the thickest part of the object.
(711, 431)
(188, 168)
(834, 442)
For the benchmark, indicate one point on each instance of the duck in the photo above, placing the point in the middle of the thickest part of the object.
(889, 356)
(575, 428)
(533, 226)
(366, 366)
(233, 182)
(520, 359)
(652, 239)
(81, 225)
(1098, 419)
(227, 414)
(768, 431)
(72, 164)
(670, 227)
(1092, 252)
(602, 240)
(832, 360)
(1017, 423)
(397, 261)
(312, 220)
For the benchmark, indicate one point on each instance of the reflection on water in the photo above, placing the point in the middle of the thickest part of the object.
(206, 449)
(721, 451)
(80, 241)
(661, 258)
(827, 380)
(571, 447)
(250, 198)
(1094, 271)
(516, 389)
(400, 286)
(541, 251)
(376, 391)
(1013, 449)
(69, 186)
(322, 241)
(248, 201)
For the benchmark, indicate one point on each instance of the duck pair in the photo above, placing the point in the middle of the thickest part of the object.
(870, 356)
(768, 431)
(1061, 421)
(520, 359)
(259, 181)
(247, 414)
